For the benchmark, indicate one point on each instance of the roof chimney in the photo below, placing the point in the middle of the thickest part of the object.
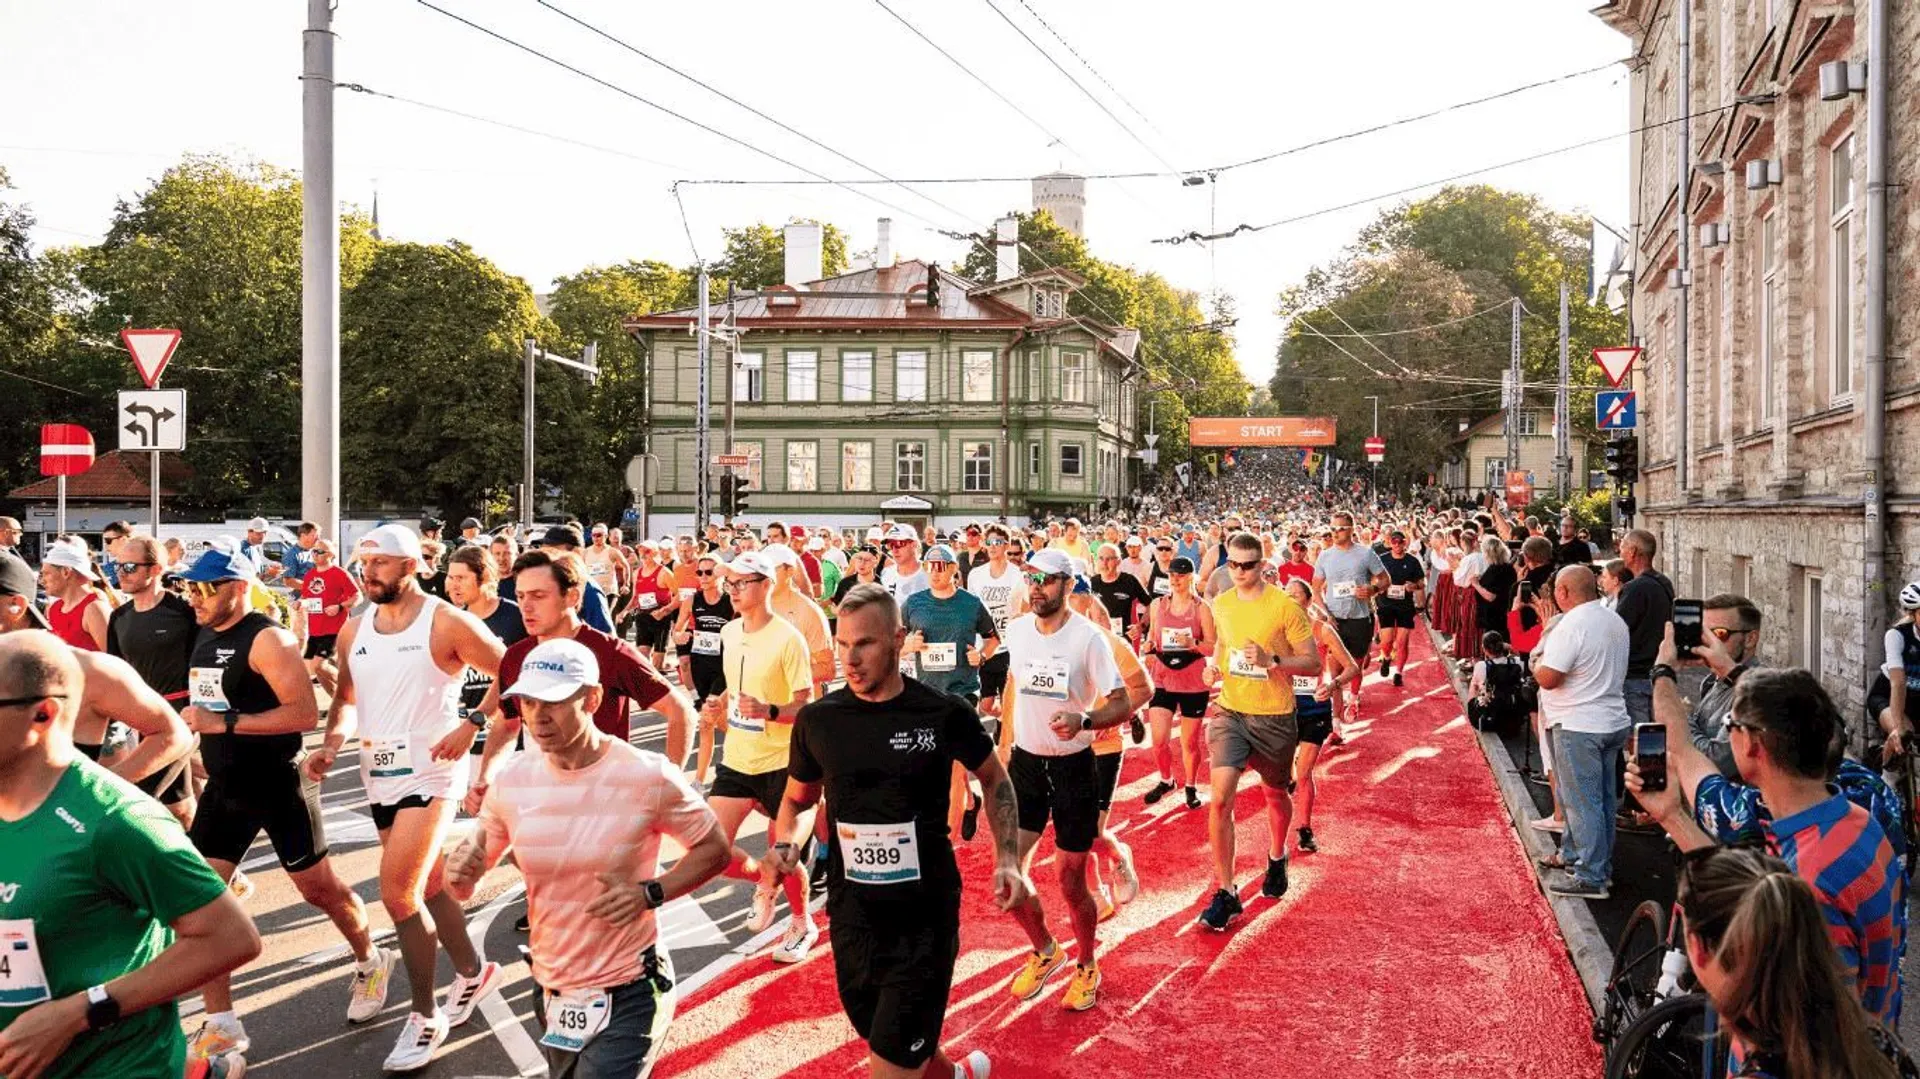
(1006, 248)
(803, 253)
(883, 248)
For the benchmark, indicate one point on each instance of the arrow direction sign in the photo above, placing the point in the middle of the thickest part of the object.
(1615, 410)
(153, 420)
(151, 350)
(1616, 363)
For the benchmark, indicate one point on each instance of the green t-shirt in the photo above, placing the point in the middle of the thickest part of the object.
(89, 883)
(950, 626)
(829, 578)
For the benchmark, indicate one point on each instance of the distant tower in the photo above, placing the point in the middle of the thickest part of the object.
(376, 213)
(1063, 195)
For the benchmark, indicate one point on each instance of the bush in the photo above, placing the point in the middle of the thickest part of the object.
(1591, 510)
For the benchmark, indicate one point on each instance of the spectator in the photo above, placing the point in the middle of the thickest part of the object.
(1579, 665)
(1646, 606)
(1613, 577)
(10, 533)
(1536, 573)
(1571, 550)
(1493, 587)
(1729, 637)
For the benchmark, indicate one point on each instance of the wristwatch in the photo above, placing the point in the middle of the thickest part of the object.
(102, 1009)
(478, 718)
(656, 895)
(1086, 721)
(233, 720)
(773, 711)
(1661, 670)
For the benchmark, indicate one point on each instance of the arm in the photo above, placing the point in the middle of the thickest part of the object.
(276, 656)
(469, 643)
(1113, 709)
(114, 689)
(342, 720)
(94, 619)
(799, 798)
(1010, 886)
(677, 707)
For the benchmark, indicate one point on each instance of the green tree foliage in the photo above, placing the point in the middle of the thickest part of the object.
(431, 362)
(33, 335)
(755, 256)
(1419, 285)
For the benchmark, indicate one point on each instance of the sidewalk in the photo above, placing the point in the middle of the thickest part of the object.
(1414, 942)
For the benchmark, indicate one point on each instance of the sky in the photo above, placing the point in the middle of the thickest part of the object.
(121, 89)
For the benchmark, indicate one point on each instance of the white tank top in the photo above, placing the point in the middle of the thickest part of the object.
(406, 703)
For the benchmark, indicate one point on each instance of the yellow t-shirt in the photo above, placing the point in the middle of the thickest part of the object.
(804, 615)
(1107, 740)
(1264, 621)
(770, 666)
(1073, 548)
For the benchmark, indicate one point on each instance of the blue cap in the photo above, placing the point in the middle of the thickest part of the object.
(939, 552)
(217, 563)
(1082, 586)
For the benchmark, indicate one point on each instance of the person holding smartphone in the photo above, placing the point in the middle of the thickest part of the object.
(1729, 627)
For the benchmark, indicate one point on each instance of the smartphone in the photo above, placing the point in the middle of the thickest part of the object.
(1526, 591)
(1686, 625)
(1650, 754)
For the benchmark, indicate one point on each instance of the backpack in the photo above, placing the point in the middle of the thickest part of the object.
(1506, 705)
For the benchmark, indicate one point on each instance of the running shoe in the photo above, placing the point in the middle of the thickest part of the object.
(1306, 841)
(1033, 977)
(522, 925)
(217, 1040)
(1103, 905)
(762, 915)
(241, 885)
(1126, 884)
(975, 1066)
(1193, 798)
(1138, 730)
(970, 820)
(464, 994)
(369, 993)
(1573, 887)
(1386, 666)
(1083, 991)
(1160, 790)
(1396, 678)
(420, 1038)
(232, 1066)
(817, 875)
(1547, 824)
(796, 942)
(1275, 885)
(1221, 912)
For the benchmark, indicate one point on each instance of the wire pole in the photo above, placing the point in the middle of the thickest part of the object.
(532, 348)
(319, 279)
(702, 469)
(1562, 437)
(1513, 398)
(1683, 480)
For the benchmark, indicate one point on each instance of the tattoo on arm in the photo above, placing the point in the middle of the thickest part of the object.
(1004, 818)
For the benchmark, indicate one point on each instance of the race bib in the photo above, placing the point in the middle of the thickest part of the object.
(575, 1018)
(648, 601)
(940, 657)
(1176, 640)
(686, 595)
(312, 605)
(1115, 624)
(1305, 684)
(1340, 589)
(739, 722)
(706, 643)
(23, 981)
(1396, 591)
(387, 758)
(1045, 678)
(206, 687)
(1162, 586)
(879, 853)
(1239, 665)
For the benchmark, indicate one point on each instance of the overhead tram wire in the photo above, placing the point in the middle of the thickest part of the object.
(1501, 306)
(1089, 66)
(361, 88)
(1335, 312)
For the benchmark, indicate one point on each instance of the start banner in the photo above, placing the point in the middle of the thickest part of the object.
(1260, 431)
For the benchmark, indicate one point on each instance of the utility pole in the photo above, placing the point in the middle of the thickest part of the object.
(1514, 398)
(319, 279)
(702, 468)
(1562, 436)
(1374, 466)
(588, 363)
(1684, 465)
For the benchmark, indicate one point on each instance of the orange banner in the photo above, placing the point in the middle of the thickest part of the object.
(1260, 431)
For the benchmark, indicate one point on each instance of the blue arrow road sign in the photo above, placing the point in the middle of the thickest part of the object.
(1615, 410)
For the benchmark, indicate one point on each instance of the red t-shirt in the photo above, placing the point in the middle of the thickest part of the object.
(811, 563)
(332, 587)
(1294, 571)
(624, 677)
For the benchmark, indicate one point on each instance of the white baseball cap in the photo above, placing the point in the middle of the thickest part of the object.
(69, 555)
(902, 532)
(555, 671)
(815, 543)
(396, 541)
(751, 563)
(258, 524)
(1052, 562)
(779, 554)
(874, 533)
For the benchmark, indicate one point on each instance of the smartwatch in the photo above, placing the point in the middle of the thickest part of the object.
(478, 718)
(1086, 721)
(656, 895)
(102, 1009)
(773, 711)
(233, 720)
(1662, 670)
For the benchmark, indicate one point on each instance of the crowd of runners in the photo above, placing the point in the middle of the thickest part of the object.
(871, 692)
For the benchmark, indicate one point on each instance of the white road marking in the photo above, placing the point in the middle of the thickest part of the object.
(513, 1036)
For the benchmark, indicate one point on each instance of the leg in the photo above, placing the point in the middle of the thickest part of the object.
(956, 798)
(1401, 638)
(1030, 915)
(1582, 771)
(732, 811)
(1279, 818)
(1190, 747)
(408, 850)
(705, 758)
(1226, 782)
(1304, 759)
(217, 995)
(1080, 905)
(1161, 722)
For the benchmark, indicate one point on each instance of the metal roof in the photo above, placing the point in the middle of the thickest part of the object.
(890, 295)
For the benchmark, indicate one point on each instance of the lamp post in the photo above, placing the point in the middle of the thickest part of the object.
(1374, 466)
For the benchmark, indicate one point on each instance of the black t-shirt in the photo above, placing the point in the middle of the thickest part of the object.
(1405, 571)
(848, 582)
(1646, 606)
(1539, 579)
(889, 762)
(1573, 552)
(158, 644)
(505, 623)
(1119, 595)
(1499, 580)
(242, 757)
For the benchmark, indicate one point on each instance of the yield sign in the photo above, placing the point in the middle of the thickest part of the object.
(1617, 363)
(151, 350)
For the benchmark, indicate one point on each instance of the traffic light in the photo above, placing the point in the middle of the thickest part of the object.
(1623, 459)
(733, 494)
(740, 496)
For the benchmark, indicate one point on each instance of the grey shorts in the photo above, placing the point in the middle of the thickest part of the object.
(1266, 743)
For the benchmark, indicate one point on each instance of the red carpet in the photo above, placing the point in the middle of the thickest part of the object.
(1414, 943)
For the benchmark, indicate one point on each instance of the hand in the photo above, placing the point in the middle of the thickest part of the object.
(1670, 652)
(454, 744)
(683, 637)
(713, 711)
(915, 642)
(1323, 691)
(1897, 742)
(466, 864)
(1543, 606)
(1662, 804)
(784, 857)
(476, 794)
(1256, 655)
(751, 708)
(1363, 591)
(1066, 724)
(974, 658)
(621, 903)
(37, 1037)
(201, 721)
(1010, 887)
(331, 609)
(1712, 653)
(318, 763)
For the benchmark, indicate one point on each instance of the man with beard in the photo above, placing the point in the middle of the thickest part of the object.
(401, 663)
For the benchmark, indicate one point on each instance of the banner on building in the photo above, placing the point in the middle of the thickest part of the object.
(1261, 431)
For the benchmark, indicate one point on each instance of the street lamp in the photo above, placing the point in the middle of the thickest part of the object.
(1374, 466)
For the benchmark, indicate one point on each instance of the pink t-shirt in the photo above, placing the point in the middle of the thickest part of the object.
(566, 828)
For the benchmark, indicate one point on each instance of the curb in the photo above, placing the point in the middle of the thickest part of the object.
(1590, 951)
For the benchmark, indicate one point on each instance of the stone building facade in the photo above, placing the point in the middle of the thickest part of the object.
(1775, 505)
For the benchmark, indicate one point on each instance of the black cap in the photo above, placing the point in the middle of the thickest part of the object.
(561, 536)
(1181, 564)
(471, 522)
(431, 524)
(18, 579)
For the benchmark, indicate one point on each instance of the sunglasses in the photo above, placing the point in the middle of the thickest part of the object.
(703, 573)
(996, 543)
(1044, 579)
(129, 567)
(740, 582)
(1722, 632)
(1254, 564)
(205, 589)
(15, 702)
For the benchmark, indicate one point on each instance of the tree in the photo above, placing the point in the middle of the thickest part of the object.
(431, 361)
(756, 256)
(33, 333)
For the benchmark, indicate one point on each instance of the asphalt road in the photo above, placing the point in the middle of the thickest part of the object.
(293, 998)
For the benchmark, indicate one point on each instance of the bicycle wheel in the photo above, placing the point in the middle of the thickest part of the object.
(1635, 972)
(1668, 1041)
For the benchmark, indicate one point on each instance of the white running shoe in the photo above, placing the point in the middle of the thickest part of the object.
(762, 915)
(464, 994)
(368, 997)
(798, 940)
(241, 885)
(975, 1066)
(420, 1037)
(1126, 883)
(217, 1040)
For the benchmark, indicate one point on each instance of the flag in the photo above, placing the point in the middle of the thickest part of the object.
(1310, 459)
(1184, 470)
(1228, 461)
(1213, 465)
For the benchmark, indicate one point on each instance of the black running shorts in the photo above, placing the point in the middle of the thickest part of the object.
(1190, 705)
(765, 789)
(993, 674)
(1063, 788)
(1106, 778)
(894, 985)
(1395, 615)
(281, 803)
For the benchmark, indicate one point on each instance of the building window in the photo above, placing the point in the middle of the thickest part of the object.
(910, 466)
(803, 376)
(1529, 422)
(976, 466)
(1034, 459)
(1742, 576)
(976, 376)
(756, 475)
(803, 466)
(856, 376)
(1073, 378)
(1036, 377)
(1769, 299)
(856, 466)
(909, 376)
(1496, 477)
(1070, 459)
(1808, 617)
(1840, 266)
(748, 381)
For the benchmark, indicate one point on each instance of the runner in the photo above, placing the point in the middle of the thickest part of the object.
(999, 586)
(949, 636)
(585, 818)
(1064, 687)
(592, 605)
(800, 611)
(78, 611)
(1262, 634)
(328, 593)
(1108, 749)
(1345, 578)
(1180, 636)
(1315, 700)
(903, 575)
(655, 602)
(880, 750)
(251, 704)
(400, 674)
(107, 913)
(154, 631)
(1405, 595)
(697, 638)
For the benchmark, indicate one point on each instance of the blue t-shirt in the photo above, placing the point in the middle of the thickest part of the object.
(950, 625)
(295, 563)
(1341, 572)
(593, 608)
